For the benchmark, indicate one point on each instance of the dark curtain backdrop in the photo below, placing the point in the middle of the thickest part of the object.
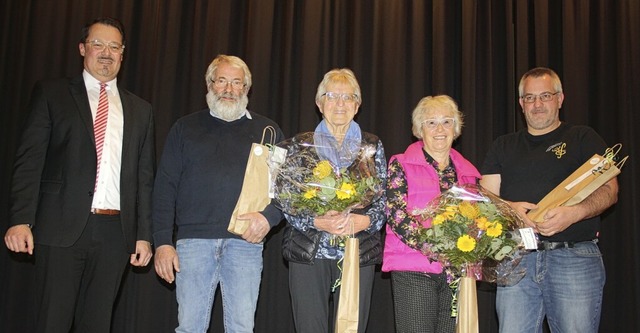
(474, 51)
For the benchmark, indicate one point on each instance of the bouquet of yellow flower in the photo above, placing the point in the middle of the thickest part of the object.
(465, 228)
(319, 175)
(467, 225)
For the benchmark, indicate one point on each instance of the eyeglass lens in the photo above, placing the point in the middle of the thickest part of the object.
(222, 82)
(544, 97)
(445, 122)
(100, 46)
(333, 96)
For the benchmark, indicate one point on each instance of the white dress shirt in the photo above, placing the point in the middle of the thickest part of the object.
(107, 194)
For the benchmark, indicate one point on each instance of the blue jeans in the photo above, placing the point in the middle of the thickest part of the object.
(235, 264)
(563, 284)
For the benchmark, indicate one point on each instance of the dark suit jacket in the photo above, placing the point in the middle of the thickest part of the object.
(55, 166)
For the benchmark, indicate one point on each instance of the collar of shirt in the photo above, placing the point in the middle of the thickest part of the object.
(92, 83)
(245, 113)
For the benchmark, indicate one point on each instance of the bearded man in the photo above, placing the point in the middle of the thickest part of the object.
(197, 186)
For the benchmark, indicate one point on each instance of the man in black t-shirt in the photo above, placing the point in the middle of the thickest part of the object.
(565, 277)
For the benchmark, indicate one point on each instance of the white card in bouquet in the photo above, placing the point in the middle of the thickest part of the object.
(529, 238)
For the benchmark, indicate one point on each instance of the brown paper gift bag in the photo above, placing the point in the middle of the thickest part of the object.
(467, 321)
(581, 183)
(349, 303)
(466, 299)
(254, 195)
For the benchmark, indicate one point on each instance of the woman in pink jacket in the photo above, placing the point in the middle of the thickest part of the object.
(421, 295)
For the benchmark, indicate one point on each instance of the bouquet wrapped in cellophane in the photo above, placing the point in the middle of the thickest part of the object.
(471, 232)
(320, 174)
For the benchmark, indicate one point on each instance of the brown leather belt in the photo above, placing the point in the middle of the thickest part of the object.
(98, 211)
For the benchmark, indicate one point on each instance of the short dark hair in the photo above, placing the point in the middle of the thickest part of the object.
(110, 21)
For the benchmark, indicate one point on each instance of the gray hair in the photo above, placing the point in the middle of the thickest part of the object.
(430, 103)
(339, 75)
(540, 72)
(234, 62)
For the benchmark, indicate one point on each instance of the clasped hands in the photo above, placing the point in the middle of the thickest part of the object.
(340, 224)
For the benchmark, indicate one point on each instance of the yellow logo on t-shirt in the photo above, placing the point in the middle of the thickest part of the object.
(560, 150)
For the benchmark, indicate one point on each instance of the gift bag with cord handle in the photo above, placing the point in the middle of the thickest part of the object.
(254, 195)
(349, 302)
(594, 173)
(607, 175)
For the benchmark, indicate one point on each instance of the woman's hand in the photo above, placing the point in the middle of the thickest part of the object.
(340, 224)
(332, 222)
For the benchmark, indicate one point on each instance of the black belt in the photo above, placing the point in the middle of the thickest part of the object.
(548, 246)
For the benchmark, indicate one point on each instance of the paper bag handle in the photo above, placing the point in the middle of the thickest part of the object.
(620, 164)
(610, 157)
(272, 134)
(611, 152)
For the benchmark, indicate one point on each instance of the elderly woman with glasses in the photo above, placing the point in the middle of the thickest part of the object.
(314, 259)
(421, 294)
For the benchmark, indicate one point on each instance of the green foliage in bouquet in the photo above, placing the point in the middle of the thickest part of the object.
(467, 229)
(326, 190)
(321, 174)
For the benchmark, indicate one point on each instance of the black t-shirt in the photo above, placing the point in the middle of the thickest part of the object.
(532, 166)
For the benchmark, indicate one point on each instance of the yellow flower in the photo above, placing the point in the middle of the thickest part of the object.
(450, 212)
(449, 215)
(494, 229)
(482, 223)
(439, 219)
(466, 243)
(468, 210)
(322, 169)
(310, 194)
(346, 191)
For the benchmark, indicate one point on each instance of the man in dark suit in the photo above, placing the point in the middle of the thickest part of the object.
(82, 182)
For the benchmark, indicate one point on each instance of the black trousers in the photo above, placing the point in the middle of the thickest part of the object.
(77, 285)
(422, 303)
(311, 296)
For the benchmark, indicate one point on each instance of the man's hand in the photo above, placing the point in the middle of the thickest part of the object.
(258, 227)
(19, 239)
(522, 208)
(166, 262)
(558, 219)
(143, 254)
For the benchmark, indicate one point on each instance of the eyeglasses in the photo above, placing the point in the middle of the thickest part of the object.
(347, 98)
(223, 83)
(98, 45)
(446, 123)
(544, 97)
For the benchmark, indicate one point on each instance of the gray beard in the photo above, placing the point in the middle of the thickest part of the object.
(227, 111)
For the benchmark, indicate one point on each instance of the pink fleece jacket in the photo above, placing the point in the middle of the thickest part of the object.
(422, 187)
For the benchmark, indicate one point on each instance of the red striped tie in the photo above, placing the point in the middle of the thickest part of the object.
(100, 126)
